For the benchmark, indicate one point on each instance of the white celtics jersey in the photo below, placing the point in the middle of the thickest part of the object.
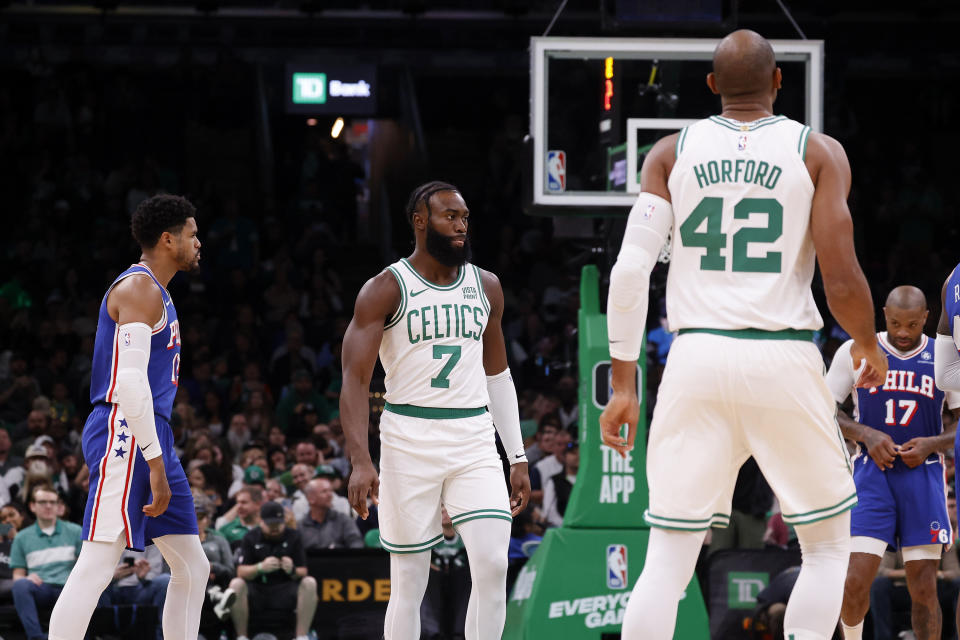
(432, 347)
(742, 255)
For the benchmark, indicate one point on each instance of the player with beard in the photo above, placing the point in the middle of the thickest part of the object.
(435, 320)
(138, 491)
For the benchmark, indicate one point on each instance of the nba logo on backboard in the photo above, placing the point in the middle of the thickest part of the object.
(616, 566)
(556, 171)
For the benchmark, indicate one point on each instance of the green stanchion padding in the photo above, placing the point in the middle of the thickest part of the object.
(611, 491)
(578, 583)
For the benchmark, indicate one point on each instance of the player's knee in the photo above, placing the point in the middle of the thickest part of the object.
(856, 589)
(239, 585)
(22, 587)
(308, 586)
(924, 591)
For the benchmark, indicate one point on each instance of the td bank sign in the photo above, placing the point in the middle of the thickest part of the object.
(332, 89)
(312, 88)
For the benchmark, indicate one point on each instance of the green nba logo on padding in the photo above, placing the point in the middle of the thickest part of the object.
(743, 587)
(309, 88)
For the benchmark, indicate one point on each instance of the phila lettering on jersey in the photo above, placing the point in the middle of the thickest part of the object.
(742, 254)
(432, 347)
(908, 404)
(163, 371)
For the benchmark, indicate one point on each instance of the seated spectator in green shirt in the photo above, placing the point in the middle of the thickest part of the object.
(300, 396)
(246, 512)
(41, 557)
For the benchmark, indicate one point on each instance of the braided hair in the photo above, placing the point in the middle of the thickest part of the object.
(422, 194)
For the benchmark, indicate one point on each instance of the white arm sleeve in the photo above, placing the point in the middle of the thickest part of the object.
(841, 377)
(506, 414)
(648, 226)
(133, 387)
(946, 363)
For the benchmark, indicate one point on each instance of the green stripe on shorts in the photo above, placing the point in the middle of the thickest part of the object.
(481, 513)
(822, 514)
(410, 548)
(683, 524)
(805, 335)
(433, 413)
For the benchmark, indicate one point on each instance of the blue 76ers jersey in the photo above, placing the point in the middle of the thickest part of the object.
(163, 371)
(908, 405)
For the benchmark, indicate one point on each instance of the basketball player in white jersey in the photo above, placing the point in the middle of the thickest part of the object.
(750, 198)
(435, 320)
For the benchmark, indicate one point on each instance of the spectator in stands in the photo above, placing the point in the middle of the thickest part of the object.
(244, 516)
(238, 433)
(340, 502)
(35, 470)
(324, 527)
(277, 458)
(556, 491)
(8, 461)
(291, 356)
(568, 409)
(36, 425)
(272, 574)
(543, 440)
(18, 390)
(140, 579)
(39, 577)
(294, 401)
(278, 493)
(301, 474)
(549, 466)
(10, 522)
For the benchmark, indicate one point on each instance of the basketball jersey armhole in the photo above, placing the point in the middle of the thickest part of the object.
(395, 318)
(802, 144)
(483, 293)
(158, 327)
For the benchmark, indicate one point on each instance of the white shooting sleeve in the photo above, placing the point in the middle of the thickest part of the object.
(133, 387)
(946, 363)
(648, 226)
(505, 411)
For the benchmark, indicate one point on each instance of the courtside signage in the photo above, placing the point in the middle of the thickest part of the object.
(336, 90)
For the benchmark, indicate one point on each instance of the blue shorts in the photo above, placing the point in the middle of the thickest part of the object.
(903, 507)
(120, 483)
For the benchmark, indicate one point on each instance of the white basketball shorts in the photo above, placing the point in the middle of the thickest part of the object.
(723, 399)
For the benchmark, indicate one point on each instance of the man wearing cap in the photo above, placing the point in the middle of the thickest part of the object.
(272, 574)
(248, 501)
(324, 527)
(36, 470)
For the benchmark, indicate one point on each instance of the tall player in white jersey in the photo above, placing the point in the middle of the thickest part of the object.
(435, 320)
(752, 199)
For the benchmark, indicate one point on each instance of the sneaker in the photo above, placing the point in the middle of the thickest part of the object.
(222, 608)
(215, 593)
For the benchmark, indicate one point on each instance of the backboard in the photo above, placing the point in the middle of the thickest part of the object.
(597, 105)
